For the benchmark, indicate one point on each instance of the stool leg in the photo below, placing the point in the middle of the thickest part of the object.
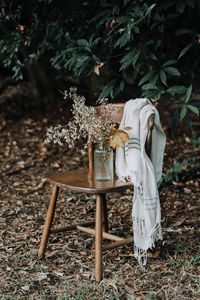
(98, 238)
(105, 216)
(48, 222)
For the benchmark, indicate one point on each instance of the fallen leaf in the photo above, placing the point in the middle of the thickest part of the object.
(177, 203)
(115, 253)
(20, 202)
(55, 165)
(125, 211)
(41, 276)
(59, 274)
(171, 213)
(41, 184)
(139, 297)
(193, 208)
(50, 254)
(187, 191)
(25, 288)
(87, 275)
(3, 282)
(179, 222)
(129, 289)
(113, 285)
(154, 254)
(196, 183)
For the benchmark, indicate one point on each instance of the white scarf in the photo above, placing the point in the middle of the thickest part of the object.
(132, 163)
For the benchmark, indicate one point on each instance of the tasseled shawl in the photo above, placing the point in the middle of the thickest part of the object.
(132, 163)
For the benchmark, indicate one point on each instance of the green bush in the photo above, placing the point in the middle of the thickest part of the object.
(181, 170)
(149, 46)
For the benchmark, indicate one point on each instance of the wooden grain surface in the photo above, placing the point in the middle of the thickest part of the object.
(83, 181)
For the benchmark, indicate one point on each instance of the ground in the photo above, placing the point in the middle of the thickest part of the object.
(172, 271)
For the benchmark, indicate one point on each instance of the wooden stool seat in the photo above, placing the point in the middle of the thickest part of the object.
(82, 180)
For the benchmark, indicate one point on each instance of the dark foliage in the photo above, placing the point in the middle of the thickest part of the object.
(116, 47)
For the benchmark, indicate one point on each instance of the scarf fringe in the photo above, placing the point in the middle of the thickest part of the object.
(141, 230)
(140, 255)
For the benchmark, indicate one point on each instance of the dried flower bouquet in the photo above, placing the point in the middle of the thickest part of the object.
(85, 122)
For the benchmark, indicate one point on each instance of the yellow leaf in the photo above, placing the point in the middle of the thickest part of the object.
(115, 141)
(112, 144)
(128, 128)
(122, 134)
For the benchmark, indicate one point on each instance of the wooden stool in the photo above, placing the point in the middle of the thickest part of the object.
(82, 181)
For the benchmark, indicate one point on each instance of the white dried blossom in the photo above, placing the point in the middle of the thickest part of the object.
(84, 122)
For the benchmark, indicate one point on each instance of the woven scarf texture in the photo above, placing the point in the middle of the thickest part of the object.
(133, 164)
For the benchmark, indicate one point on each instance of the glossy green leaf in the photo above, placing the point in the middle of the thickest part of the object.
(185, 50)
(82, 43)
(183, 112)
(177, 89)
(169, 62)
(172, 71)
(154, 78)
(146, 78)
(149, 86)
(188, 94)
(107, 89)
(149, 9)
(194, 109)
(163, 77)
